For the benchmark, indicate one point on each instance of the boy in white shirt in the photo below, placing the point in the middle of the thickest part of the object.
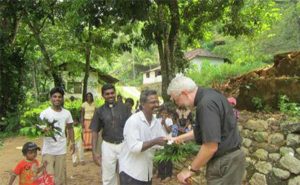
(54, 152)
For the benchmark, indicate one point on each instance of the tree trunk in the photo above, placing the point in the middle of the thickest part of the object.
(166, 42)
(88, 48)
(35, 83)
(58, 82)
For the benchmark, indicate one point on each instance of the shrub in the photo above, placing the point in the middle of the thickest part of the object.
(258, 103)
(290, 108)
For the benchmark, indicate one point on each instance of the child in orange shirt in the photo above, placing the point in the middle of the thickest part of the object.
(28, 168)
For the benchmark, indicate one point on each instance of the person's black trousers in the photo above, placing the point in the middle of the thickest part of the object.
(127, 180)
(165, 169)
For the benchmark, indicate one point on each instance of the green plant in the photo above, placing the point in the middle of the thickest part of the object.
(209, 73)
(176, 152)
(267, 108)
(257, 102)
(287, 107)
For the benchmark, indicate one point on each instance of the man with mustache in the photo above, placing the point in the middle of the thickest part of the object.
(110, 117)
(142, 134)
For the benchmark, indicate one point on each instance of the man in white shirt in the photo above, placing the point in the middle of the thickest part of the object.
(54, 152)
(142, 132)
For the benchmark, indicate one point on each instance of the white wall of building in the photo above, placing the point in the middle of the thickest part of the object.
(152, 78)
(198, 61)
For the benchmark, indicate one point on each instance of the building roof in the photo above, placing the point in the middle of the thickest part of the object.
(200, 52)
(193, 54)
(78, 65)
(154, 69)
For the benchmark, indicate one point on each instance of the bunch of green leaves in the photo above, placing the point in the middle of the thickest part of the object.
(289, 108)
(176, 152)
(48, 128)
(257, 102)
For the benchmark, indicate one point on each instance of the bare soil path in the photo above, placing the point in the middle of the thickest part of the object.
(89, 174)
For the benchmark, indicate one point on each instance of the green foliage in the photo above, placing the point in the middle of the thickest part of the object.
(284, 35)
(243, 50)
(176, 152)
(258, 103)
(209, 73)
(290, 108)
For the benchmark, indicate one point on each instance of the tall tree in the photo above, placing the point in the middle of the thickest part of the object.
(90, 20)
(166, 22)
(12, 65)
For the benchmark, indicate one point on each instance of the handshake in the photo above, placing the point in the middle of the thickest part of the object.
(168, 140)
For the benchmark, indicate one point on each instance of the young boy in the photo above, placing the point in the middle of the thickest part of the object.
(28, 168)
(78, 137)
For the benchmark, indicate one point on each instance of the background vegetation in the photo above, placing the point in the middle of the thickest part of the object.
(125, 38)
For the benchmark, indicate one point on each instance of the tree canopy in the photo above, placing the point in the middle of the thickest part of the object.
(37, 36)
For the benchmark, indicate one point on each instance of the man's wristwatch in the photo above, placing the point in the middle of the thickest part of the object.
(197, 172)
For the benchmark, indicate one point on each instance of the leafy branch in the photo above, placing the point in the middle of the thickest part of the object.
(48, 129)
(176, 152)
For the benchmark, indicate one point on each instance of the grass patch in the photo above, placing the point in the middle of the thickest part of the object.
(209, 73)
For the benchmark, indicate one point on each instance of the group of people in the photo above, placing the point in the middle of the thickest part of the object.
(131, 139)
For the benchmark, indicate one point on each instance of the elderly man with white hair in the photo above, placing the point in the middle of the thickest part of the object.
(215, 129)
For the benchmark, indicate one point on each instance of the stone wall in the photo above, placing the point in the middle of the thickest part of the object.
(272, 148)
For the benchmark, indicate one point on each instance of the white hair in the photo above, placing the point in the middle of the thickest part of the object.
(181, 83)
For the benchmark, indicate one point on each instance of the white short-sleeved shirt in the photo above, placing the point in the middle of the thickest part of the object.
(63, 118)
(134, 162)
(169, 123)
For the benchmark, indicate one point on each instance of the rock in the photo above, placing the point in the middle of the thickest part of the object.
(258, 179)
(276, 138)
(261, 154)
(290, 127)
(292, 139)
(247, 142)
(286, 150)
(250, 160)
(280, 173)
(245, 133)
(263, 167)
(273, 121)
(290, 163)
(298, 150)
(257, 125)
(260, 136)
(274, 156)
(266, 146)
(294, 181)
(245, 150)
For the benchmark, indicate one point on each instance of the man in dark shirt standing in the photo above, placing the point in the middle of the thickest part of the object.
(110, 117)
(215, 129)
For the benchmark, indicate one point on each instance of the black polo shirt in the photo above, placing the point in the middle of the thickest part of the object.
(111, 120)
(215, 121)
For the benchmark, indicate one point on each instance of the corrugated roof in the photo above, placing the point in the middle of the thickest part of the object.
(200, 52)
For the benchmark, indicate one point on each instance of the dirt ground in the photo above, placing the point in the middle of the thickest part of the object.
(89, 174)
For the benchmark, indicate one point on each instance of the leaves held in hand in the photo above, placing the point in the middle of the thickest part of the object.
(176, 152)
(49, 129)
